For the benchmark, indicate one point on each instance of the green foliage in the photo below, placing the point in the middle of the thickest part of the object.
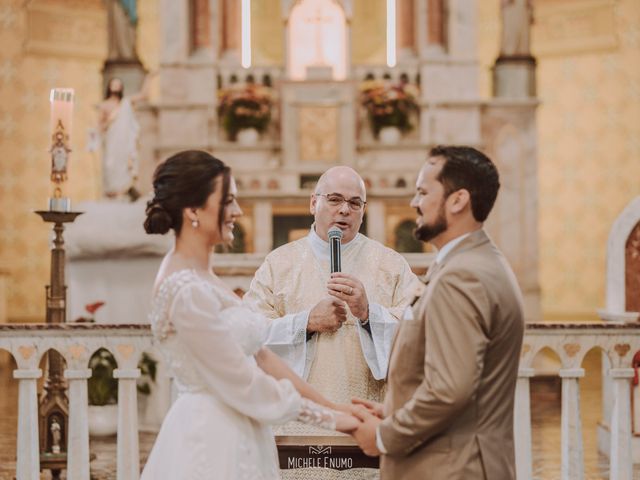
(103, 388)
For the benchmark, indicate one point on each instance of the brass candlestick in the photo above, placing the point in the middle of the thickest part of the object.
(53, 408)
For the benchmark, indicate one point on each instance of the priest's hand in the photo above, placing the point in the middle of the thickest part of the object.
(351, 290)
(328, 315)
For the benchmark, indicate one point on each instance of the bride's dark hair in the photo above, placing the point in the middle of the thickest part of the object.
(184, 180)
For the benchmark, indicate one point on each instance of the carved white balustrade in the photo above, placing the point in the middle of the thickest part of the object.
(77, 342)
(571, 342)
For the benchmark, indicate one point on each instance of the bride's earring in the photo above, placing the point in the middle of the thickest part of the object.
(195, 223)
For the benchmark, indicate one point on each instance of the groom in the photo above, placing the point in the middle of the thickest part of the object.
(448, 412)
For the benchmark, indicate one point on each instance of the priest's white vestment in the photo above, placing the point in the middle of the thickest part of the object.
(351, 362)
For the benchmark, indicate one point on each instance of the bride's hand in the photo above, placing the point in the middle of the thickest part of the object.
(342, 407)
(346, 423)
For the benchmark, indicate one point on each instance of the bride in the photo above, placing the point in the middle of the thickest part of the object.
(231, 388)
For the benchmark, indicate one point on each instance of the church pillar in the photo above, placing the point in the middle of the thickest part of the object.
(522, 425)
(405, 28)
(28, 451)
(174, 37)
(200, 27)
(78, 447)
(515, 68)
(621, 467)
(128, 452)
(262, 227)
(230, 33)
(572, 467)
(376, 226)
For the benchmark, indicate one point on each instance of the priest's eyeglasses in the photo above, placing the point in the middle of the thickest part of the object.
(336, 200)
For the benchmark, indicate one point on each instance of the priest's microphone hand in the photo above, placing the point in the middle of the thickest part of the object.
(351, 290)
(328, 315)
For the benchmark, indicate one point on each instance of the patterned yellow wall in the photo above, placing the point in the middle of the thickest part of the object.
(267, 33)
(588, 79)
(368, 32)
(46, 44)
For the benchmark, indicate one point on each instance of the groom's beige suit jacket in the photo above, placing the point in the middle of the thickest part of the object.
(453, 370)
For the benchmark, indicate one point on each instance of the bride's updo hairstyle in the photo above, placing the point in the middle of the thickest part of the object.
(184, 180)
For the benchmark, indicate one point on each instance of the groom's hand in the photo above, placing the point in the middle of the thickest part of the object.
(374, 407)
(327, 315)
(351, 290)
(365, 435)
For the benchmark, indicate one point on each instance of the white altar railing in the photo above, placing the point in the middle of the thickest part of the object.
(77, 342)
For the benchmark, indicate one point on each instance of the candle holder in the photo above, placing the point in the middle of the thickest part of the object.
(61, 120)
(53, 408)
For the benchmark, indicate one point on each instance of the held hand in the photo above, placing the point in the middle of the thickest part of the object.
(327, 316)
(346, 423)
(351, 290)
(365, 435)
(375, 408)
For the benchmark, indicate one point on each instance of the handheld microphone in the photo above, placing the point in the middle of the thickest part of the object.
(335, 236)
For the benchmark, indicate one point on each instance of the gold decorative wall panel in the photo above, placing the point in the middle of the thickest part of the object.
(318, 133)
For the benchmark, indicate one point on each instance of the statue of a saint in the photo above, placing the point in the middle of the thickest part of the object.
(56, 436)
(119, 131)
(517, 17)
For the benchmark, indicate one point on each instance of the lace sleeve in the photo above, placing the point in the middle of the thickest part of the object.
(313, 414)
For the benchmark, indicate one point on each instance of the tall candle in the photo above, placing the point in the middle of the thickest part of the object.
(60, 126)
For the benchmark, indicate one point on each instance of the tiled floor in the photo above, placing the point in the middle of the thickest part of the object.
(545, 419)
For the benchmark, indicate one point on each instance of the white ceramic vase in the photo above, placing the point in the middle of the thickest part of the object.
(248, 136)
(390, 135)
(103, 420)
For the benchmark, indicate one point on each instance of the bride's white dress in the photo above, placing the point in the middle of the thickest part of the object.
(219, 426)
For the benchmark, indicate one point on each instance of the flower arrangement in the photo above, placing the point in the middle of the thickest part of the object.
(389, 105)
(244, 106)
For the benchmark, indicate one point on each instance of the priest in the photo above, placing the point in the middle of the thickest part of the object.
(335, 330)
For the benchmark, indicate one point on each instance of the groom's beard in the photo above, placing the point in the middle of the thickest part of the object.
(427, 232)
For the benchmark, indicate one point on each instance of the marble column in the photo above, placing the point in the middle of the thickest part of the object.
(28, 451)
(522, 425)
(262, 227)
(572, 467)
(405, 28)
(230, 34)
(436, 24)
(78, 446)
(620, 458)
(128, 452)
